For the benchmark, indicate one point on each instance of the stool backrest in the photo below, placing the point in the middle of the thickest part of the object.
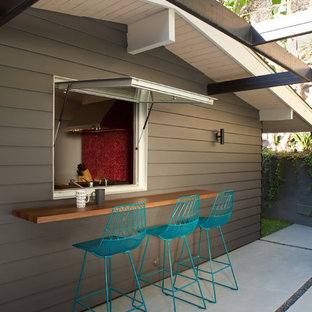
(126, 221)
(184, 218)
(222, 209)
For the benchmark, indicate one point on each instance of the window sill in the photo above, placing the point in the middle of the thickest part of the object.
(109, 190)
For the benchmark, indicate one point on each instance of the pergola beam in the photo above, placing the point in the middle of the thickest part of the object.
(253, 83)
(284, 27)
(11, 8)
(216, 15)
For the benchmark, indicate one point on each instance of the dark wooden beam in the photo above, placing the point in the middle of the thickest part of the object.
(218, 16)
(253, 83)
(11, 8)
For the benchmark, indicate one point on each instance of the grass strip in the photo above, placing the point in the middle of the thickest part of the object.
(269, 226)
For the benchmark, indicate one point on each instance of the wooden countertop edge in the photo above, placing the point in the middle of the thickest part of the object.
(17, 213)
(81, 213)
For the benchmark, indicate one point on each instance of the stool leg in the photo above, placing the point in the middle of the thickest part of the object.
(80, 278)
(196, 279)
(137, 281)
(141, 267)
(199, 242)
(110, 283)
(108, 302)
(211, 270)
(236, 287)
(164, 267)
(189, 252)
(170, 266)
(177, 271)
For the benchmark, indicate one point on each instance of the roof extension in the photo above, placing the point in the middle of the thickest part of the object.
(213, 51)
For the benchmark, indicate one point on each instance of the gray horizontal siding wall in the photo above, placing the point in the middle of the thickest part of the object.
(38, 267)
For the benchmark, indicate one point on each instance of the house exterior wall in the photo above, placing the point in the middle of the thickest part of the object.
(39, 269)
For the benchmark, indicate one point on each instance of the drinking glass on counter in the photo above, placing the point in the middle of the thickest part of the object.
(99, 196)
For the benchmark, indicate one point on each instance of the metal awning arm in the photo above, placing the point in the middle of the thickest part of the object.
(62, 112)
(145, 124)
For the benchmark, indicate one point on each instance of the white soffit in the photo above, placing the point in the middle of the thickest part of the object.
(119, 11)
(261, 99)
(193, 47)
(151, 32)
(296, 125)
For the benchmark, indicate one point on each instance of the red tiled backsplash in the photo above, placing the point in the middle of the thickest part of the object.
(109, 154)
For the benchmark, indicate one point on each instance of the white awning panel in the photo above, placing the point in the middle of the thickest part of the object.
(130, 88)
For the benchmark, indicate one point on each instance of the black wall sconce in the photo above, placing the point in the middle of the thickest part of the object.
(220, 136)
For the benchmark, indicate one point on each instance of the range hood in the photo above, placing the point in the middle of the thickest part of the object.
(91, 117)
(96, 117)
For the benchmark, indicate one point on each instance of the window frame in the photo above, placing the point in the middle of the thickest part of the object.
(139, 156)
(145, 92)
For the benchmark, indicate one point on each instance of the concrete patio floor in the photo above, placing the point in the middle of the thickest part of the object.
(268, 271)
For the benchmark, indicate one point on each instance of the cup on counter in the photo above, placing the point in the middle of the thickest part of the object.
(99, 196)
(81, 198)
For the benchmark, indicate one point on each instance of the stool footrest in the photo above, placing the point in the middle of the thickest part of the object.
(84, 305)
(189, 293)
(78, 300)
(93, 294)
(130, 297)
(214, 272)
(220, 284)
(160, 271)
(226, 265)
(167, 289)
(196, 305)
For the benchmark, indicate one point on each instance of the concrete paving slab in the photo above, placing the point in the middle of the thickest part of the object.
(295, 235)
(267, 274)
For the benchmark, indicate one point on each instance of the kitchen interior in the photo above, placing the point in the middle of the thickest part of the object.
(100, 131)
(94, 142)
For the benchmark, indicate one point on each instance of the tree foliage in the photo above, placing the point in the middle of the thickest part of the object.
(304, 140)
(280, 8)
(239, 7)
(242, 7)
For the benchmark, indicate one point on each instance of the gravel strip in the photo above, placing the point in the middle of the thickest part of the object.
(288, 303)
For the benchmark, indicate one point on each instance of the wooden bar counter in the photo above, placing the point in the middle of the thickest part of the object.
(69, 212)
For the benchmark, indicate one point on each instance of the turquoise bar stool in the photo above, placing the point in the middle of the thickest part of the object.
(183, 221)
(125, 231)
(219, 215)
